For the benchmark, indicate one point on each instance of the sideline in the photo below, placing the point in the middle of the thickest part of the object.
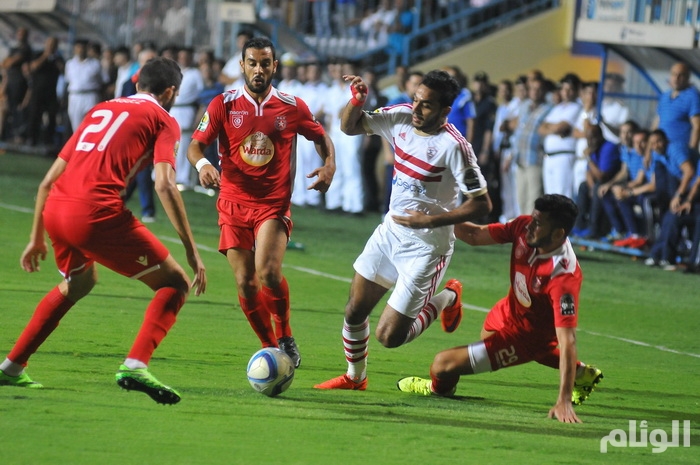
(348, 280)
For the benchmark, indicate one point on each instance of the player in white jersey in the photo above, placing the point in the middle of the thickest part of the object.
(412, 248)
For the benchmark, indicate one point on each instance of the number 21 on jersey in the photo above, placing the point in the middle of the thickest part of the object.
(99, 127)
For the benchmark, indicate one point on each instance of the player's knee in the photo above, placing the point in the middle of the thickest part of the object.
(183, 284)
(389, 337)
(271, 276)
(80, 285)
(441, 364)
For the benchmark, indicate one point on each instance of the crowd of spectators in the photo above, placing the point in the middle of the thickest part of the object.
(636, 187)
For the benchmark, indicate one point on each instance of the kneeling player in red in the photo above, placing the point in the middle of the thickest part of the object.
(537, 320)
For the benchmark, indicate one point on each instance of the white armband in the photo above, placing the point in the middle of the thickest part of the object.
(201, 163)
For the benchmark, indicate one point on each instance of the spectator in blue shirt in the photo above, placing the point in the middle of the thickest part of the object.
(620, 197)
(678, 110)
(463, 111)
(672, 161)
(603, 164)
(686, 215)
(673, 173)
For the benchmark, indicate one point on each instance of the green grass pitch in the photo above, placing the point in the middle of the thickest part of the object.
(639, 325)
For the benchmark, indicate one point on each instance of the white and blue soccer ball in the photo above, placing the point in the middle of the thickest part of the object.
(270, 371)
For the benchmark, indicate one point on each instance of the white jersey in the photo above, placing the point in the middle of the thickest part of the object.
(429, 171)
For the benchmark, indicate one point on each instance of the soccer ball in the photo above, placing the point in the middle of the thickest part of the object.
(270, 371)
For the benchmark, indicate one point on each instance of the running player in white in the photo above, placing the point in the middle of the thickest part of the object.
(412, 248)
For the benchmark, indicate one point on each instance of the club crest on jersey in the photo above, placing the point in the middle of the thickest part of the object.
(204, 122)
(566, 303)
(432, 151)
(281, 123)
(237, 120)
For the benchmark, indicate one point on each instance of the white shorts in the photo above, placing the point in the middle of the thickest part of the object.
(413, 266)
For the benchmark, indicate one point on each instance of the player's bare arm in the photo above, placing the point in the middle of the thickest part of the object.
(351, 118)
(474, 234)
(174, 207)
(209, 176)
(563, 410)
(325, 173)
(472, 209)
(36, 248)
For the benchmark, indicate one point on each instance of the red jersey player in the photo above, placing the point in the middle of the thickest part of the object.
(536, 320)
(256, 127)
(79, 204)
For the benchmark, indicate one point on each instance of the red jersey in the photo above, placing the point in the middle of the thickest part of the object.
(115, 141)
(257, 143)
(544, 289)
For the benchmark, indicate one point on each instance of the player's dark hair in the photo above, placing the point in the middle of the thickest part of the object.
(259, 43)
(561, 209)
(445, 85)
(158, 74)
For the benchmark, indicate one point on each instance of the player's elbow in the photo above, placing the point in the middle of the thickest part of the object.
(164, 188)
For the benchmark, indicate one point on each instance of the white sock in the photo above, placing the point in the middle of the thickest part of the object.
(443, 299)
(422, 321)
(355, 343)
(11, 368)
(133, 364)
(429, 313)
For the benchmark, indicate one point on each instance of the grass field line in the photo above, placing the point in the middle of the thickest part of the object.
(464, 305)
(16, 208)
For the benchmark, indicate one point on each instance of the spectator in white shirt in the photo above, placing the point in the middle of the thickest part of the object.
(85, 78)
(184, 111)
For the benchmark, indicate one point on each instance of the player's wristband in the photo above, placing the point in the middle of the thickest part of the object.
(201, 163)
(355, 102)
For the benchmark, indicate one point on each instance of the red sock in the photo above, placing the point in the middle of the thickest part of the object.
(277, 301)
(551, 359)
(159, 318)
(259, 318)
(444, 384)
(45, 319)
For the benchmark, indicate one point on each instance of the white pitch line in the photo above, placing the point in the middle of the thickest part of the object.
(16, 208)
(298, 268)
(348, 280)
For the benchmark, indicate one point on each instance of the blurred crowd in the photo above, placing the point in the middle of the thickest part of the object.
(636, 187)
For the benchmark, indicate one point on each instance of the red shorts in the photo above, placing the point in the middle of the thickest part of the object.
(511, 345)
(82, 234)
(239, 224)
